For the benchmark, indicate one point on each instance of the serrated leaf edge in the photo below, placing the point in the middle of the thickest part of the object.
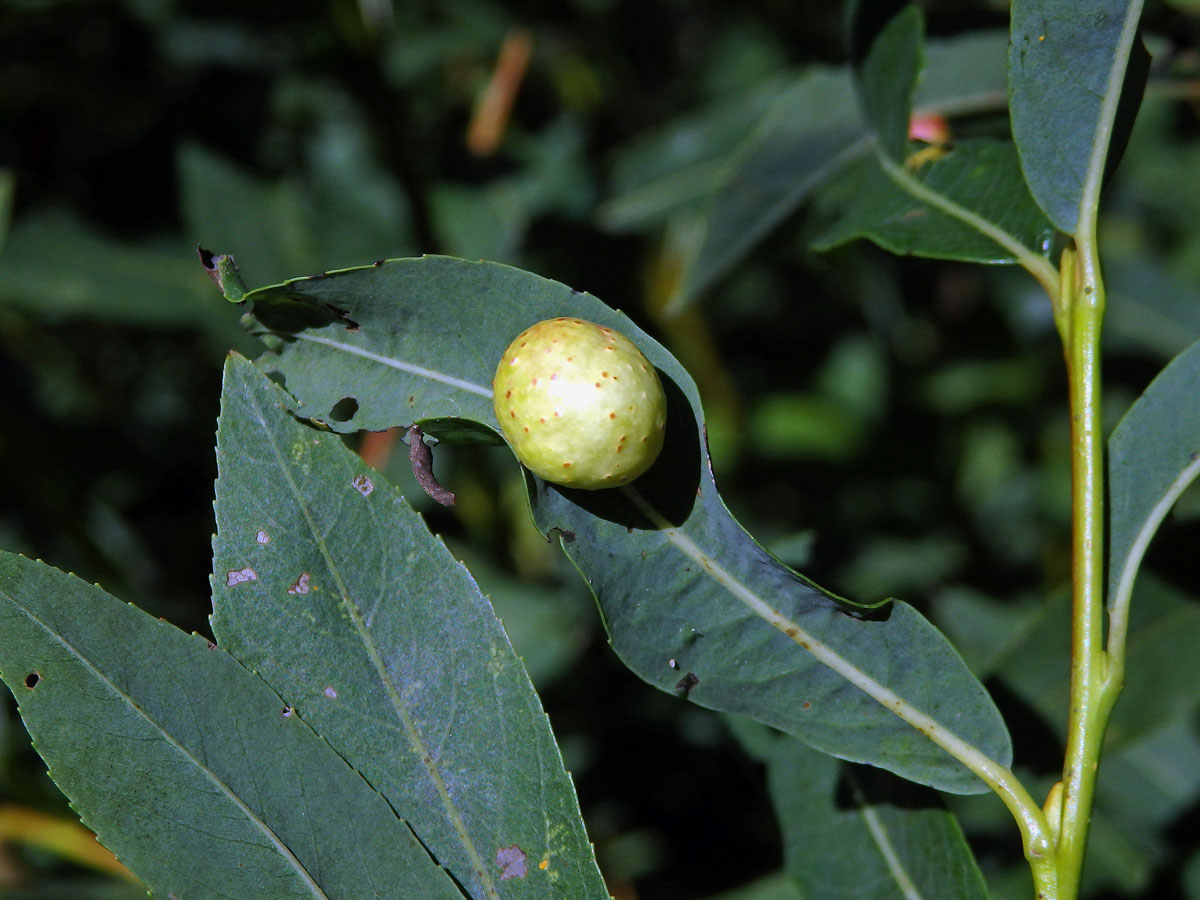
(213, 778)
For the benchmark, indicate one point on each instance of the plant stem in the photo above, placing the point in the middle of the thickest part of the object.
(1079, 311)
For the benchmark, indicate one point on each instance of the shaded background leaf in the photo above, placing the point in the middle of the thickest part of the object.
(194, 767)
(888, 61)
(851, 833)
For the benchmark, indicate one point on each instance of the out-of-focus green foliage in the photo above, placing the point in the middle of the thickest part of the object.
(894, 424)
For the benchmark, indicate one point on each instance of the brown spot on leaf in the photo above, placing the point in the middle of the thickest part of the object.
(684, 686)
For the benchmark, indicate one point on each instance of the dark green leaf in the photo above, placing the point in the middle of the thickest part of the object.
(1153, 454)
(773, 887)
(980, 174)
(689, 598)
(887, 76)
(1163, 644)
(1142, 788)
(849, 833)
(1149, 307)
(59, 267)
(1065, 59)
(7, 184)
(798, 143)
(660, 172)
(345, 207)
(331, 587)
(186, 765)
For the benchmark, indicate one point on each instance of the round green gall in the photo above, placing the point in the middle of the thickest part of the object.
(579, 404)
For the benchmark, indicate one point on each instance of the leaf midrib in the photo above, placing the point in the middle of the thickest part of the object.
(411, 733)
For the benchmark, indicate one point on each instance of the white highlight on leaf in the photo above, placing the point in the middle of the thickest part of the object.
(262, 537)
(330, 693)
(388, 361)
(363, 485)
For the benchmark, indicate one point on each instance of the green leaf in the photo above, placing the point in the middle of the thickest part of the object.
(771, 887)
(1142, 789)
(795, 147)
(1153, 455)
(8, 183)
(1164, 642)
(692, 603)
(660, 172)
(331, 588)
(1149, 308)
(1066, 69)
(979, 174)
(887, 76)
(344, 207)
(187, 766)
(59, 267)
(849, 833)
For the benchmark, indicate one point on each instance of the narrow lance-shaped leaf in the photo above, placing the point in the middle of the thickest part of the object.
(331, 587)
(1153, 455)
(892, 57)
(1067, 67)
(692, 603)
(186, 765)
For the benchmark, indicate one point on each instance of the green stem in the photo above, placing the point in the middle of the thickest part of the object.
(1079, 313)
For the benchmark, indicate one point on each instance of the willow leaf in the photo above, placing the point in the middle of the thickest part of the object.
(187, 766)
(331, 587)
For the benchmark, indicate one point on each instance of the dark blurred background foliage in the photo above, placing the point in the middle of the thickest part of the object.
(891, 426)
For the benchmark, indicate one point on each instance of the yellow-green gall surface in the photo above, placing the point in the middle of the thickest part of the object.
(579, 403)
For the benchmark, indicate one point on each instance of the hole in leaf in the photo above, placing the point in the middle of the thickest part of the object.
(344, 410)
(32, 679)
